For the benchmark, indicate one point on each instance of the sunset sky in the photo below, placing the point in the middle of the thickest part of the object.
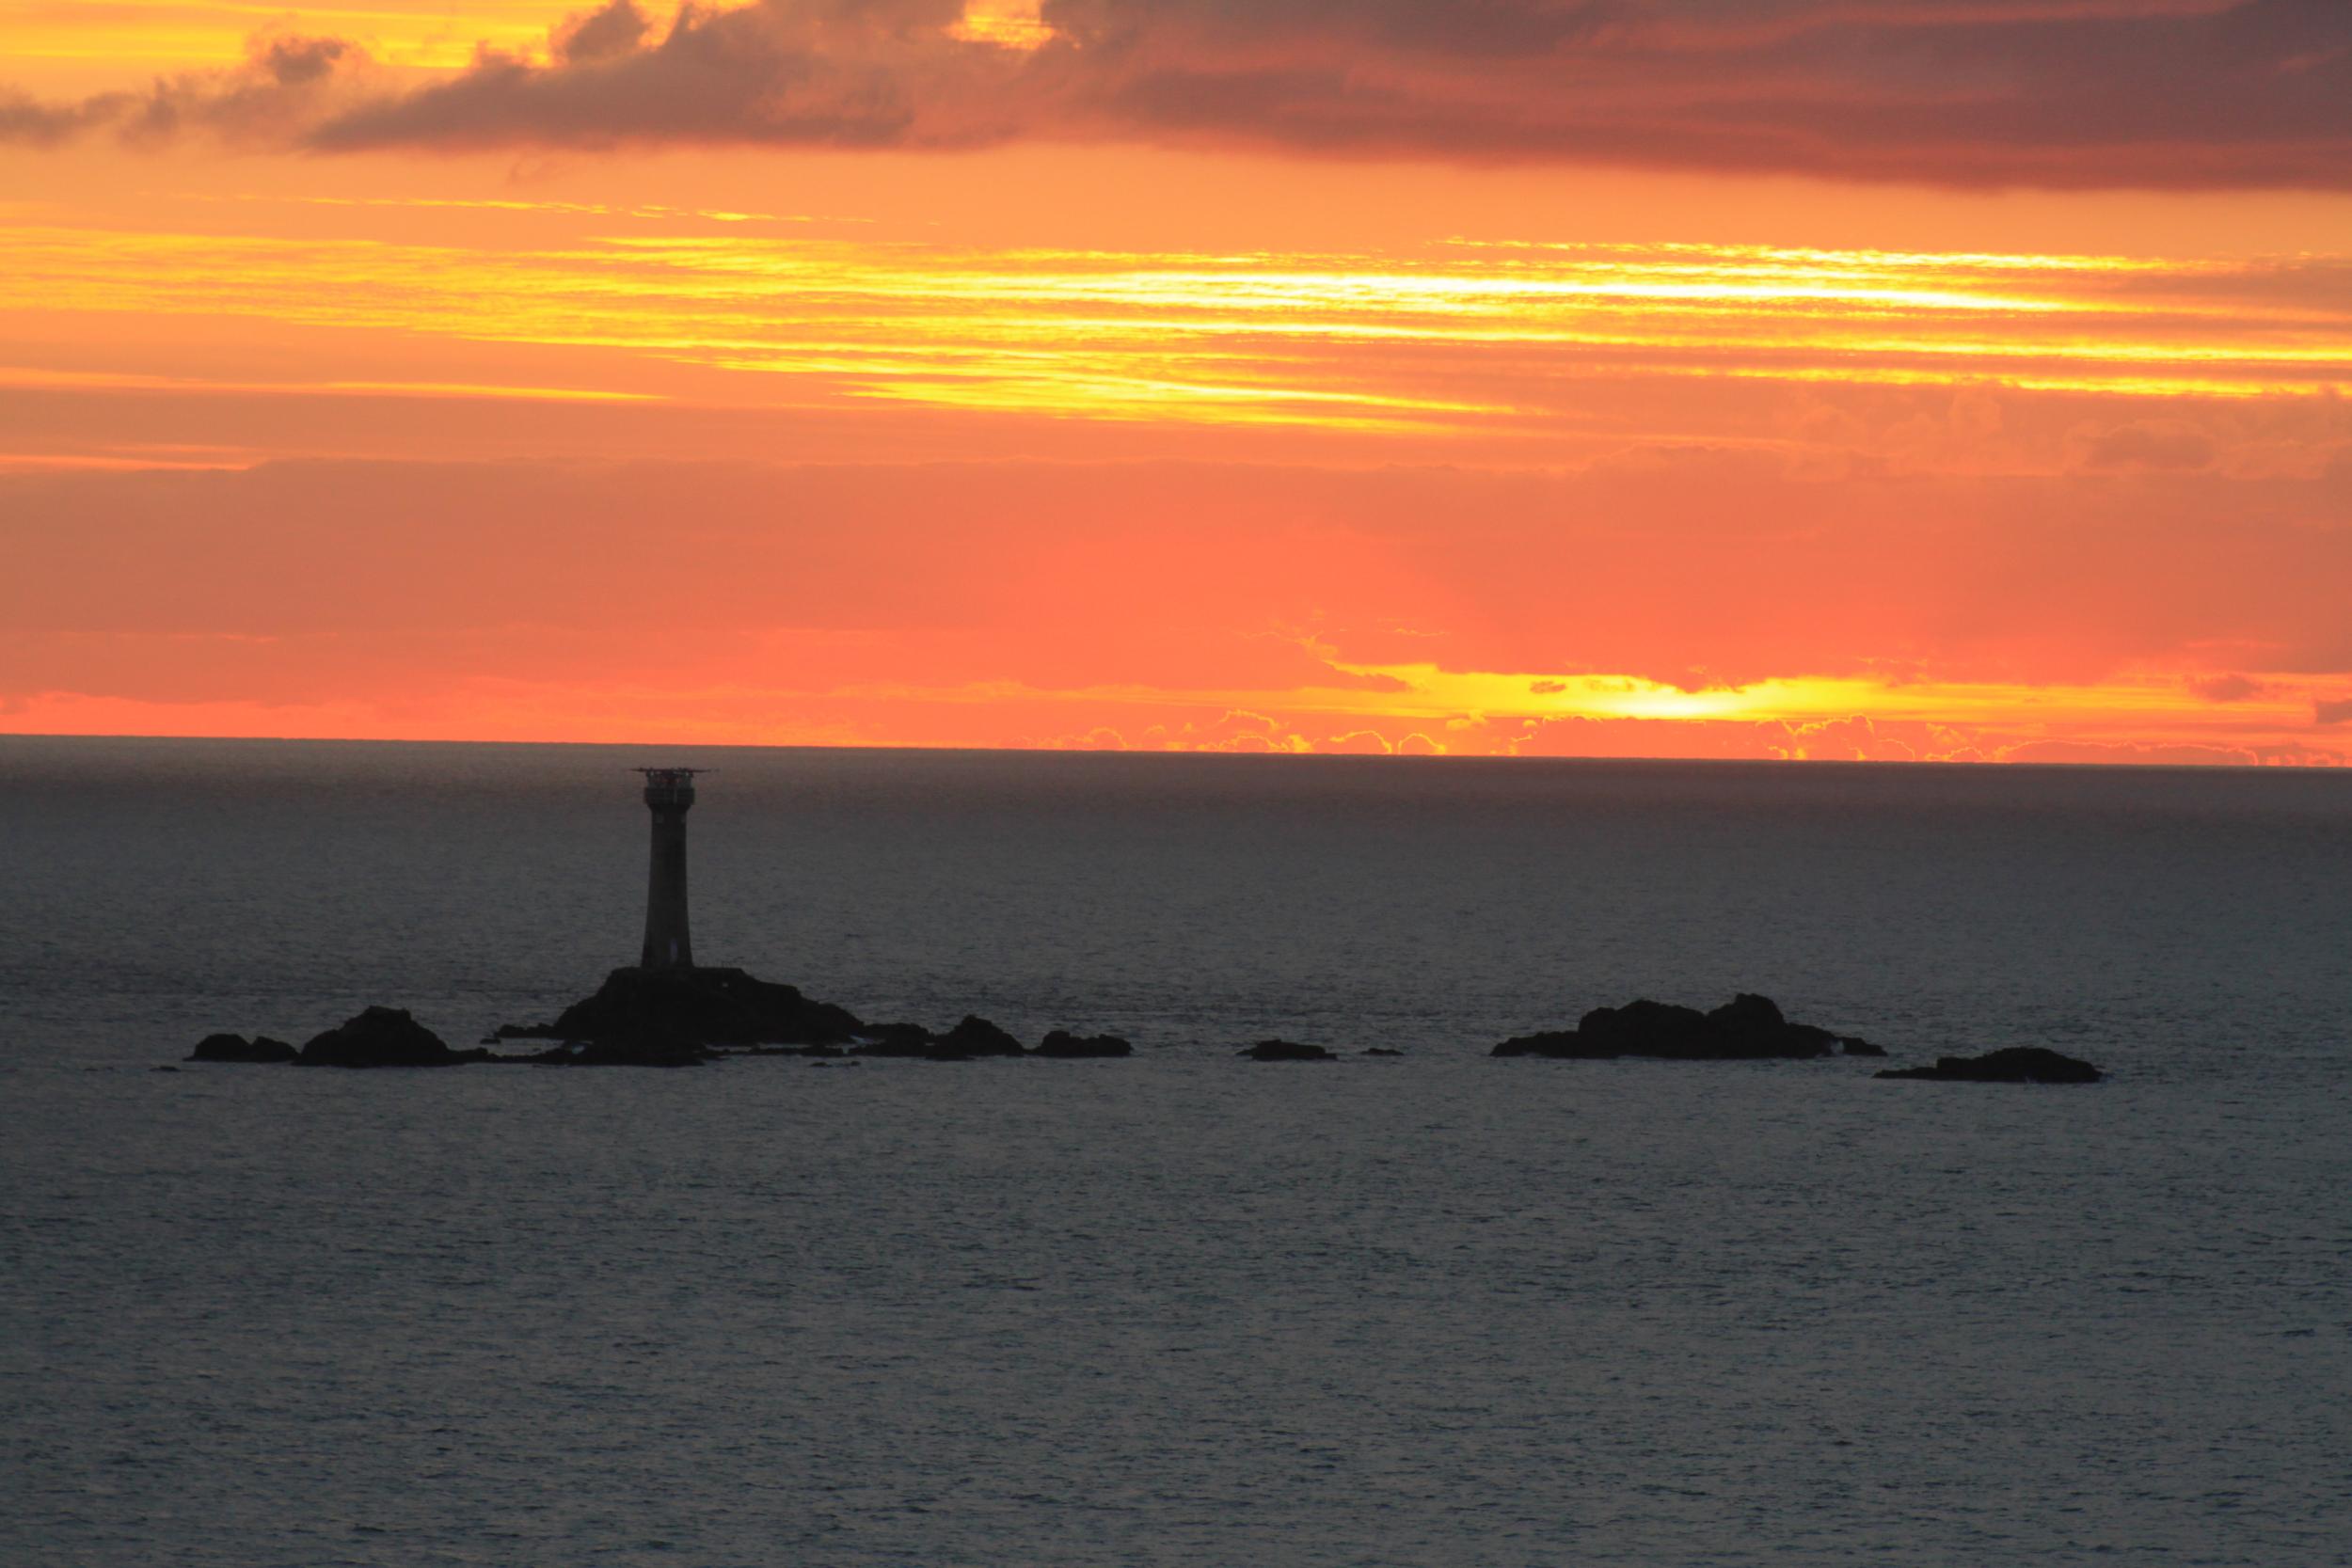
(1794, 378)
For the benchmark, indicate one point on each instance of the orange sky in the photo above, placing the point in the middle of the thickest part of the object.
(1783, 379)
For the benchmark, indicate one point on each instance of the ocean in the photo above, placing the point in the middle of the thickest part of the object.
(1181, 1308)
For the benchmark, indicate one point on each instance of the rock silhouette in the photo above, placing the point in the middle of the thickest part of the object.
(1747, 1028)
(974, 1037)
(1063, 1046)
(2018, 1064)
(236, 1048)
(708, 1006)
(1285, 1050)
(383, 1036)
(970, 1039)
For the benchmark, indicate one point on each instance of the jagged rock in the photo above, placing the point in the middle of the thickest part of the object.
(1065, 1046)
(710, 1007)
(1747, 1028)
(978, 1037)
(971, 1039)
(236, 1048)
(2018, 1064)
(1860, 1047)
(383, 1036)
(1286, 1050)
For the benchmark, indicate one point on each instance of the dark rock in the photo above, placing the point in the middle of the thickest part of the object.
(975, 1036)
(1286, 1050)
(708, 1006)
(236, 1048)
(2019, 1064)
(1747, 1014)
(166, 1068)
(383, 1036)
(1381, 1050)
(1860, 1047)
(1747, 1028)
(1065, 1046)
(969, 1040)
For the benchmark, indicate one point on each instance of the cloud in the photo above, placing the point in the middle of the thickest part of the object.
(2186, 93)
(2152, 446)
(2082, 753)
(2230, 688)
(2325, 711)
(599, 35)
(284, 86)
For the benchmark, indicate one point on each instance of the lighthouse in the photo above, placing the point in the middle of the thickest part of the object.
(668, 794)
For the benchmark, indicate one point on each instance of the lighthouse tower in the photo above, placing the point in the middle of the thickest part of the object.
(669, 793)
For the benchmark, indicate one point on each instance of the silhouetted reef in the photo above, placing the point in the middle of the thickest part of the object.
(1748, 1028)
(661, 1018)
(1285, 1050)
(236, 1048)
(706, 1007)
(664, 1018)
(2019, 1064)
(1065, 1046)
(671, 1019)
(383, 1036)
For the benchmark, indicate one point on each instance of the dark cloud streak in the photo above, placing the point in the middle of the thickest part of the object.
(2052, 93)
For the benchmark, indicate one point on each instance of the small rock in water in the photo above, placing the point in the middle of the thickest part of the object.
(236, 1048)
(1381, 1050)
(1748, 1028)
(2019, 1064)
(975, 1036)
(1065, 1046)
(1286, 1050)
(383, 1036)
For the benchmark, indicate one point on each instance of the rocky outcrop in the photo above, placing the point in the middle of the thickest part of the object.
(969, 1040)
(236, 1048)
(383, 1036)
(1381, 1050)
(1747, 1028)
(978, 1037)
(708, 1006)
(2019, 1064)
(1285, 1050)
(1061, 1045)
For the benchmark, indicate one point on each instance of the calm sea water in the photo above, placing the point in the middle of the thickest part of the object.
(1178, 1310)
